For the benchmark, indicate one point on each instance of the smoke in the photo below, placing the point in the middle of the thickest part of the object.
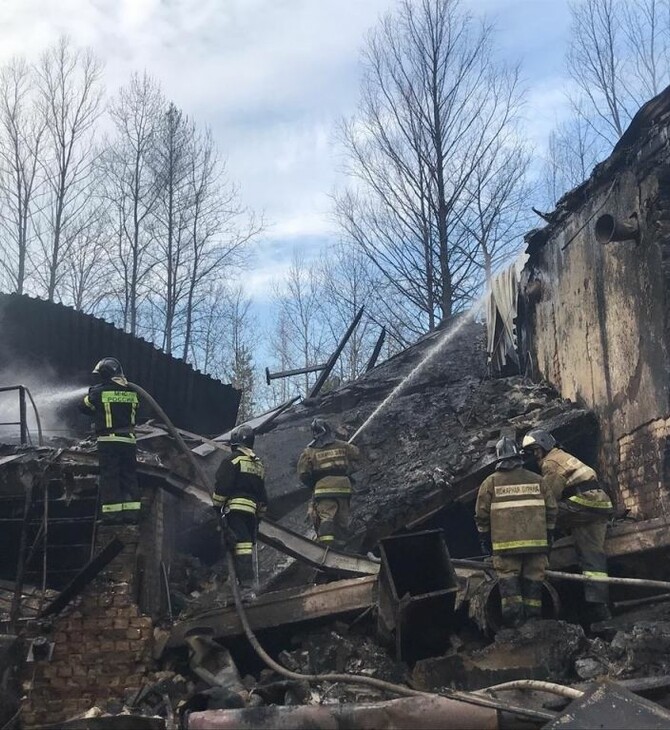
(54, 399)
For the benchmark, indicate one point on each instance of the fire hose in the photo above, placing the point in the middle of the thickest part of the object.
(344, 678)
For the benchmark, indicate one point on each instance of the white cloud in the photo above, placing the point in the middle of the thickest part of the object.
(271, 77)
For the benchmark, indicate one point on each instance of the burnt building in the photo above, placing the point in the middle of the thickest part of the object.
(594, 312)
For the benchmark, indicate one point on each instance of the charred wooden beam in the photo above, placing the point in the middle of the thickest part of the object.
(625, 538)
(84, 577)
(290, 606)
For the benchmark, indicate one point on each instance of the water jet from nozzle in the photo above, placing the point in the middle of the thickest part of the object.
(442, 341)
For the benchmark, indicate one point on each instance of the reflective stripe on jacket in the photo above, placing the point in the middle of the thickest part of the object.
(570, 479)
(327, 468)
(113, 407)
(517, 507)
(240, 481)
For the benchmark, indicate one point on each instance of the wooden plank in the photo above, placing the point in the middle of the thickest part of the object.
(624, 538)
(282, 607)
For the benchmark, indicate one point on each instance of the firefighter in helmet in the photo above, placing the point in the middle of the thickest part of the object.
(240, 496)
(515, 516)
(113, 406)
(325, 466)
(584, 509)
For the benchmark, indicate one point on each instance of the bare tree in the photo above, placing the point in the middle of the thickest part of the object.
(21, 133)
(171, 166)
(349, 282)
(243, 341)
(434, 101)
(646, 25)
(573, 151)
(219, 226)
(497, 203)
(69, 94)
(618, 58)
(132, 189)
(299, 333)
(87, 283)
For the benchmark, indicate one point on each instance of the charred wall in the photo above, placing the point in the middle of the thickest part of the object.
(598, 331)
(65, 343)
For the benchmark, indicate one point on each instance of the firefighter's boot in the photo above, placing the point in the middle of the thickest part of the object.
(532, 598)
(511, 601)
(245, 576)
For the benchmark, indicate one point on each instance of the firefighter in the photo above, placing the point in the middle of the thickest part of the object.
(515, 516)
(584, 509)
(113, 406)
(325, 466)
(240, 497)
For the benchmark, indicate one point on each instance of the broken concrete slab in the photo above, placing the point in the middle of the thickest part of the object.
(609, 705)
(432, 713)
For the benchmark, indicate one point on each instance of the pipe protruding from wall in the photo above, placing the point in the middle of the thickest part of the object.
(608, 229)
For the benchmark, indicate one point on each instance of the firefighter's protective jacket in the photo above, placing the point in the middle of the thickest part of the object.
(327, 468)
(240, 482)
(113, 406)
(572, 480)
(517, 507)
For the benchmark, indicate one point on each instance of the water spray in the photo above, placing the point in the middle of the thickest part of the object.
(428, 357)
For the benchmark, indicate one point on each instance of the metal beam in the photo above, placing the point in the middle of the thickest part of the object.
(277, 609)
(311, 552)
(289, 373)
(333, 358)
(375, 353)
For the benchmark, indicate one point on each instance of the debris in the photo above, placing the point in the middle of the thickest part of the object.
(213, 664)
(612, 706)
(417, 593)
(404, 714)
(538, 650)
(283, 607)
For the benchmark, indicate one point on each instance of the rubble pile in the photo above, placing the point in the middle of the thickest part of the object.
(155, 636)
(431, 444)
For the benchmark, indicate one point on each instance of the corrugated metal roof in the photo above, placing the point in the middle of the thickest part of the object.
(37, 334)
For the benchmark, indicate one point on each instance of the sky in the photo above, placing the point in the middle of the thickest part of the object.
(271, 78)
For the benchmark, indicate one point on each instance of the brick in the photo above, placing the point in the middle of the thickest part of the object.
(122, 645)
(134, 634)
(116, 634)
(65, 671)
(142, 622)
(121, 622)
(106, 646)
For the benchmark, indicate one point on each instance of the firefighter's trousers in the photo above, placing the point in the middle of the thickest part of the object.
(119, 492)
(588, 533)
(520, 577)
(243, 525)
(331, 520)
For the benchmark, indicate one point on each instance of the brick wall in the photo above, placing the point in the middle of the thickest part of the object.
(644, 470)
(102, 644)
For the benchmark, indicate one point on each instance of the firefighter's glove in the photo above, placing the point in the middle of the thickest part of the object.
(485, 543)
(550, 538)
